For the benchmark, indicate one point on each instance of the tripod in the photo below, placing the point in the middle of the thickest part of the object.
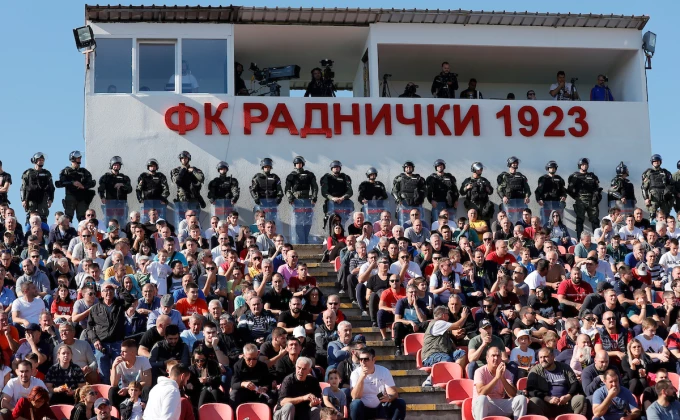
(386, 92)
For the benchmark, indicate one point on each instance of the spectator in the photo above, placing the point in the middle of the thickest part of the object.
(126, 368)
(339, 349)
(537, 277)
(636, 364)
(26, 309)
(438, 342)
(642, 310)
(653, 345)
(494, 392)
(388, 302)
(589, 273)
(666, 407)
(272, 351)
(301, 283)
(410, 315)
(83, 306)
(85, 397)
(167, 302)
(9, 341)
(286, 365)
(444, 282)
(194, 332)
(613, 338)
(132, 408)
(480, 345)
(191, 304)
(614, 402)
(81, 352)
(289, 269)
(626, 285)
(464, 323)
(277, 299)
(64, 377)
(610, 304)
(572, 292)
(553, 388)
(170, 348)
(154, 335)
(165, 398)
(592, 377)
(324, 334)
(204, 384)
(547, 308)
(373, 391)
(300, 394)
(34, 405)
(570, 333)
(405, 268)
(256, 324)
(296, 316)
(19, 387)
(527, 322)
(37, 277)
(584, 246)
(581, 355)
(501, 321)
(252, 381)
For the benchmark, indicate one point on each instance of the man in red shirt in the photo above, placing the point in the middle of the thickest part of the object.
(501, 255)
(572, 292)
(191, 304)
(9, 339)
(388, 301)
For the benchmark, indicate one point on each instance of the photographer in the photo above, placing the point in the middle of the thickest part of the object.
(601, 92)
(562, 91)
(320, 86)
(410, 91)
(445, 84)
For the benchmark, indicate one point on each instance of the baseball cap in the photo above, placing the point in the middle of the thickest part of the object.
(112, 228)
(383, 260)
(520, 334)
(485, 323)
(167, 300)
(299, 331)
(359, 338)
(101, 401)
(33, 327)
(603, 285)
(641, 269)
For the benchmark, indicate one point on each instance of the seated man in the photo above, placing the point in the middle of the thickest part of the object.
(272, 351)
(527, 322)
(494, 393)
(339, 349)
(154, 335)
(410, 315)
(19, 387)
(666, 407)
(323, 335)
(642, 310)
(592, 377)
(251, 381)
(654, 345)
(553, 388)
(286, 365)
(126, 368)
(191, 304)
(169, 348)
(26, 309)
(439, 344)
(480, 345)
(277, 299)
(572, 292)
(649, 395)
(256, 324)
(167, 302)
(611, 304)
(614, 401)
(374, 393)
(296, 316)
(388, 302)
(613, 338)
(500, 321)
(300, 394)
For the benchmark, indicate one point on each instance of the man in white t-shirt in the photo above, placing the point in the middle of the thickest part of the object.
(537, 277)
(562, 91)
(374, 393)
(671, 258)
(26, 310)
(671, 230)
(652, 344)
(405, 268)
(126, 368)
(444, 281)
(20, 386)
(630, 233)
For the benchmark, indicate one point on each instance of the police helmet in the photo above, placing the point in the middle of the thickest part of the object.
(551, 164)
(152, 162)
(656, 158)
(37, 156)
(678, 164)
(408, 163)
(114, 160)
(439, 162)
(373, 171)
(299, 159)
(184, 154)
(336, 163)
(74, 155)
(511, 160)
(583, 161)
(476, 166)
(222, 164)
(266, 162)
(621, 169)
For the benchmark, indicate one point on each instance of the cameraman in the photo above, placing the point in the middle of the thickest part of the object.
(410, 91)
(445, 84)
(239, 84)
(562, 91)
(319, 87)
(601, 92)
(471, 92)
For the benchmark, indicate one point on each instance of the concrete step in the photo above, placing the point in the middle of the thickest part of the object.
(433, 411)
(408, 377)
(371, 333)
(391, 361)
(382, 348)
(420, 395)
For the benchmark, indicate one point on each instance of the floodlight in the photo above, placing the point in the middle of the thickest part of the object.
(649, 42)
(84, 39)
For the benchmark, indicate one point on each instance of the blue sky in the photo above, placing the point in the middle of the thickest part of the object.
(42, 73)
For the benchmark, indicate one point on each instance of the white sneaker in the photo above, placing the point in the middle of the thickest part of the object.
(428, 382)
(364, 313)
(341, 292)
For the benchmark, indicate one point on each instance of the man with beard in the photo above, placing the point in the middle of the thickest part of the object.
(572, 292)
(592, 376)
(169, 348)
(614, 401)
(295, 316)
(553, 388)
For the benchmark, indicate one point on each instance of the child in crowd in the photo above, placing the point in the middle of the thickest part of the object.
(522, 357)
(159, 272)
(132, 408)
(525, 260)
(333, 395)
(62, 306)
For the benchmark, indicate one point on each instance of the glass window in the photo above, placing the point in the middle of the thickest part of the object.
(156, 67)
(204, 66)
(113, 66)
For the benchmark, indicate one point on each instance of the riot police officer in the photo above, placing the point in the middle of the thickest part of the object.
(442, 191)
(189, 180)
(336, 186)
(114, 185)
(78, 186)
(477, 190)
(657, 187)
(5, 182)
(621, 189)
(266, 184)
(37, 188)
(512, 185)
(372, 189)
(551, 187)
(223, 187)
(584, 188)
(676, 186)
(301, 183)
(408, 189)
(153, 185)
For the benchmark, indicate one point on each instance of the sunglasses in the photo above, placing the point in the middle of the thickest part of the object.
(210, 268)
(250, 359)
(364, 359)
(257, 258)
(86, 236)
(487, 306)
(333, 303)
(487, 239)
(394, 281)
(91, 393)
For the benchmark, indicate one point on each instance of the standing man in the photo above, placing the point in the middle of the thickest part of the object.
(165, 399)
(37, 188)
(477, 190)
(494, 393)
(513, 185)
(445, 84)
(335, 186)
(676, 186)
(562, 91)
(78, 185)
(223, 187)
(114, 185)
(408, 189)
(372, 189)
(551, 187)
(657, 187)
(442, 191)
(152, 185)
(584, 188)
(621, 188)
(189, 180)
(6, 181)
(265, 184)
(471, 92)
(301, 183)
(601, 92)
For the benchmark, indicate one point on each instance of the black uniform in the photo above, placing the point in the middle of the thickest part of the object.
(265, 186)
(106, 189)
(76, 200)
(657, 186)
(224, 187)
(441, 88)
(4, 177)
(336, 186)
(301, 185)
(153, 187)
(372, 191)
(37, 189)
(585, 189)
(550, 188)
(319, 89)
(513, 186)
(477, 197)
(409, 190)
(442, 189)
(188, 184)
(621, 188)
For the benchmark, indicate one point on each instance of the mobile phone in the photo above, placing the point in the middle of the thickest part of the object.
(380, 395)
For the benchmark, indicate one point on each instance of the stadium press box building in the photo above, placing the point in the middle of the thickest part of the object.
(162, 80)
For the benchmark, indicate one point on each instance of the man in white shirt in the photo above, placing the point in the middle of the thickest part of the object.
(164, 399)
(605, 262)
(671, 258)
(405, 268)
(630, 233)
(20, 386)
(671, 231)
(537, 277)
(562, 91)
(367, 382)
(26, 309)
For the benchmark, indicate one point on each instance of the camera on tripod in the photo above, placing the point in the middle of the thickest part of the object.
(269, 76)
(410, 89)
(327, 73)
(606, 79)
(573, 80)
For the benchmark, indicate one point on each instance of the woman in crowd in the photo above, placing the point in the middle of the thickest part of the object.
(314, 302)
(145, 249)
(84, 408)
(558, 231)
(335, 241)
(35, 406)
(635, 365)
(243, 234)
(205, 380)
(64, 377)
(62, 306)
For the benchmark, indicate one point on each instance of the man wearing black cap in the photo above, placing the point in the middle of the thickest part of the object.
(102, 407)
(596, 298)
(480, 344)
(611, 304)
(33, 344)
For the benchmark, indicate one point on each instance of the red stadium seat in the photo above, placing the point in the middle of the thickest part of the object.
(466, 411)
(413, 342)
(522, 384)
(419, 362)
(62, 411)
(457, 390)
(675, 379)
(533, 417)
(215, 411)
(254, 411)
(102, 390)
(571, 249)
(495, 418)
(324, 385)
(474, 311)
(115, 413)
(562, 249)
(443, 372)
(336, 264)
(571, 417)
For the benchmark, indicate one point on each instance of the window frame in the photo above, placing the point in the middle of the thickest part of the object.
(177, 45)
(93, 84)
(228, 55)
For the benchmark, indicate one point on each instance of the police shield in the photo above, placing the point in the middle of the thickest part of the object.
(222, 208)
(270, 209)
(115, 209)
(148, 205)
(548, 207)
(626, 208)
(373, 208)
(404, 213)
(514, 209)
(181, 207)
(301, 221)
(442, 206)
(343, 209)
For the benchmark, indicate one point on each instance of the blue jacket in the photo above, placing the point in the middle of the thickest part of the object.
(599, 93)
